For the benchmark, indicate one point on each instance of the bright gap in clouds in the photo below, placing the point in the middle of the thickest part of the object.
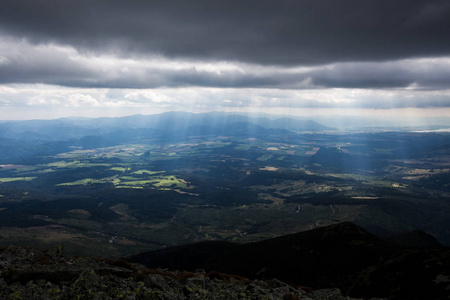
(75, 84)
(21, 102)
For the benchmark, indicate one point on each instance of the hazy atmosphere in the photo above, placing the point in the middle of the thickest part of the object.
(225, 149)
(321, 57)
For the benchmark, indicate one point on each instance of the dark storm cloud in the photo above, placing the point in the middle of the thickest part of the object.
(257, 31)
(22, 62)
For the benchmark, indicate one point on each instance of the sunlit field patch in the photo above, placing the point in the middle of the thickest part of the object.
(128, 187)
(160, 181)
(85, 181)
(268, 168)
(120, 169)
(12, 179)
(147, 172)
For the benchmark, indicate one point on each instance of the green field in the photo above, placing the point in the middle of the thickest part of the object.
(122, 199)
(12, 179)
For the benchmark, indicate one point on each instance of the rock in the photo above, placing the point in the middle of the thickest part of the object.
(27, 273)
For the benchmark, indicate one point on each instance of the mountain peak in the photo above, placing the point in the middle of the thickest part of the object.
(28, 273)
(337, 255)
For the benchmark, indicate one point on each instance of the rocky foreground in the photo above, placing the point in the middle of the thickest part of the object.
(27, 273)
(342, 255)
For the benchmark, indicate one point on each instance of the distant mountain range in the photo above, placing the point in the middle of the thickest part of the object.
(343, 255)
(67, 128)
(24, 139)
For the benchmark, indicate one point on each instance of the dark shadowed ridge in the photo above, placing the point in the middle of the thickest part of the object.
(30, 273)
(415, 238)
(343, 255)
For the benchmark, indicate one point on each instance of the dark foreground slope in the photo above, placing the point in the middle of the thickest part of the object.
(344, 255)
(27, 273)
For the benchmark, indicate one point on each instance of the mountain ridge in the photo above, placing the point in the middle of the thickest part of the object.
(339, 255)
(30, 273)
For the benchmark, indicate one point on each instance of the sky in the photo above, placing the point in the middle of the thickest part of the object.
(91, 58)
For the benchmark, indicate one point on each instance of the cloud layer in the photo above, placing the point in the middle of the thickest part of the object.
(22, 62)
(213, 54)
(283, 32)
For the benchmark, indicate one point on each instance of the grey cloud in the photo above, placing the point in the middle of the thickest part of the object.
(271, 98)
(418, 73)
(425, 100)
(22, 62)
(282, 32)
(27, 97)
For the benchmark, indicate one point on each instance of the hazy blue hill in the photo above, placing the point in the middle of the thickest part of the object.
(331, 156)
(182, 120)
(121, 136)
(158, 121)
(10, 148)
(30, 136)
(47, 137)
(336, 159)
(55, 129)
(67, 127)
(179, 120)
(233, 129)
(217, 119)
(36, 137)
(297, 125)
